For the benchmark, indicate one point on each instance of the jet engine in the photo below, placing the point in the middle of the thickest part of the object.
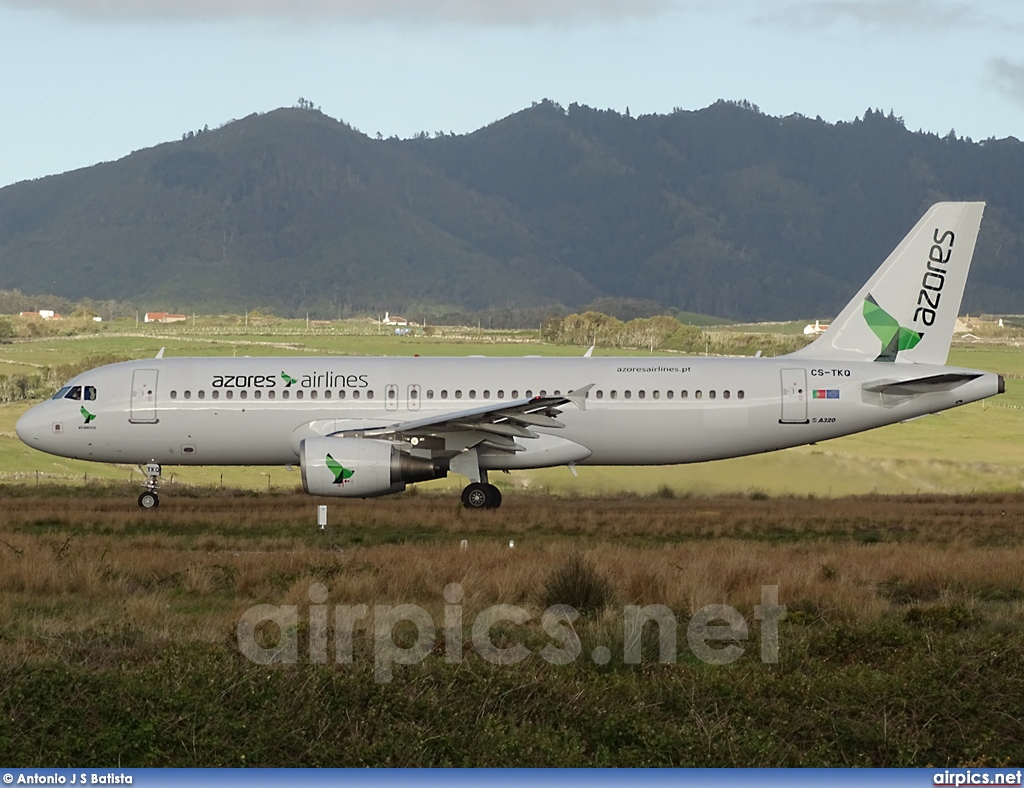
(361, 467)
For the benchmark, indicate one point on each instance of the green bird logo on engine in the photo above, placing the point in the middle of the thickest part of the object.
(892, 335)
(341, 473)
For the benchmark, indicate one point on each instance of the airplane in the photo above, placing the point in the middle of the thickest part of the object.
(368, 426)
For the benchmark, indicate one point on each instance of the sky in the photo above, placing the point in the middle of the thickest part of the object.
(85, 81)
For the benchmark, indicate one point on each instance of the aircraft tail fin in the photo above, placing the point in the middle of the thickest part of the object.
(907, 310)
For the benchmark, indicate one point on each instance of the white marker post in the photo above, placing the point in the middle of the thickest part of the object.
(321, 516)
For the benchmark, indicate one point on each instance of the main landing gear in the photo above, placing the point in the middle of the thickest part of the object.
(480, 495)
(149, 498)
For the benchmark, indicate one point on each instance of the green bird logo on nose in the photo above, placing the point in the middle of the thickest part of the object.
(87, 415)
(892, 335)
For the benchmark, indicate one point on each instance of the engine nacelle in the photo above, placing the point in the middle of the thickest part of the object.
(360, 467)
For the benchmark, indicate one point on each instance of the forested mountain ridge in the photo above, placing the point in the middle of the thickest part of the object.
(723, 211)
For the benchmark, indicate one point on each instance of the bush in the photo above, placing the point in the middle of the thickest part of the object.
(578, 584)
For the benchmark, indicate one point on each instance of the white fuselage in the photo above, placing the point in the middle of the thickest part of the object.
(638, 411)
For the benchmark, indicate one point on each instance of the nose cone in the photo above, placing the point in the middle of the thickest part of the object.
(32, 426)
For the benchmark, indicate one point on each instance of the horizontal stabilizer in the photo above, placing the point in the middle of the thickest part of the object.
(943, 382)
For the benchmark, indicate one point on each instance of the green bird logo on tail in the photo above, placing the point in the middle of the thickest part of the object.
(87, 415)
(288, 379)
(341, 473)
(892, 335)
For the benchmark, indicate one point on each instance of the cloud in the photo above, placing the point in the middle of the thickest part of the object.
(1008, 78)
(889, 15)
(482, 13)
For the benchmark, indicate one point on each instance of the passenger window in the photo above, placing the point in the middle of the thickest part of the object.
(641, 395)
(697, 394)
(369, 394)
(628, 394)
(487, 394)
(657, 395)
(558, 393)
(355, 394)
(725, 394)
(670, 394)
(392, 393)
(739, 394)
(327, 395)
(458, 393)
(684, 394)
(515, 393)
(543, 393)
(243, 394)
(257, 394)
(285, 394)
(229, 394)
(188, 395)
(60, 394)
(216, 394)
(529, 393)
(74, 393)
(472, 393)
(612, 394)
(444, 393)
(501, 393)
(600, 394)
(202, 394)
(430, 393)
(312, 394)
(711, 394)
(174, 395)
(341, 394)
(298, 394)
(90, 392)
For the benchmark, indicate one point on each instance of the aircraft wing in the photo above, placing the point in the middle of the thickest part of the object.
(943, 382)
(495, 426)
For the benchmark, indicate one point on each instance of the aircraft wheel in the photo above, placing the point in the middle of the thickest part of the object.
(149, 500)
(481, 496)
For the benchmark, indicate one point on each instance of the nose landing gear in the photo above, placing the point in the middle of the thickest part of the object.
(149, 498)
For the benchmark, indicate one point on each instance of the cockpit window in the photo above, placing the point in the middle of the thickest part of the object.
(90, 392)
(74, 393)
(60, 394)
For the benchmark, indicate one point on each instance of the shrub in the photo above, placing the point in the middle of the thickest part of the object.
(577, 583)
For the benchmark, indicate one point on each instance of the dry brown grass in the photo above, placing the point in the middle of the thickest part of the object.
(920, 599)
(191, 568)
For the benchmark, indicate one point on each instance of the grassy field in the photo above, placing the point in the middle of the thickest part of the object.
(901, 644)
(899, 567)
